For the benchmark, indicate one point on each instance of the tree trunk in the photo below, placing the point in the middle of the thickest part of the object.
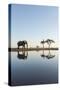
(43, 46)
(49, 46)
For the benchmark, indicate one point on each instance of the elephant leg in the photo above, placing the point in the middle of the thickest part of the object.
(18, 52)
(18, 46)
(24, 46)
(27, 45)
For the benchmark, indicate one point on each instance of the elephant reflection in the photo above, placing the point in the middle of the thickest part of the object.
(22, 55)
(49, 56)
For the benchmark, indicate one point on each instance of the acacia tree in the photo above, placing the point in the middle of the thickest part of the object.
(49, 41)
(43, 42)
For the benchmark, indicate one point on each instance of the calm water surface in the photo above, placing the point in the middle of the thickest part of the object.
(34, 67)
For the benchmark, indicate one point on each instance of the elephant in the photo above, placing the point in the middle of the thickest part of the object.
(22, 43)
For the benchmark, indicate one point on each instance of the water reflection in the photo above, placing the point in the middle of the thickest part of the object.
(48, 56)
(28, 67)
(22, 55)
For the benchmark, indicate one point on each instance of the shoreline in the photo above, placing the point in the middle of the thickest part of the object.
(29, 49)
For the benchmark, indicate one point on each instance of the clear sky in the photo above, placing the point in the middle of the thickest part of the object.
(33, 23)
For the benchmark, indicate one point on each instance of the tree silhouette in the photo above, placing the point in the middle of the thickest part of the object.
(42, 42)
(49, 41)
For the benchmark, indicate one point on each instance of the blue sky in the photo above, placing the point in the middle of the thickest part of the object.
(33, 23)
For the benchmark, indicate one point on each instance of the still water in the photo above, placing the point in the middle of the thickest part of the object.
(34, 67)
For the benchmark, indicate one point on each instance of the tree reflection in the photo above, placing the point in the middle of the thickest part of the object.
(48, 56)
(22, 54)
